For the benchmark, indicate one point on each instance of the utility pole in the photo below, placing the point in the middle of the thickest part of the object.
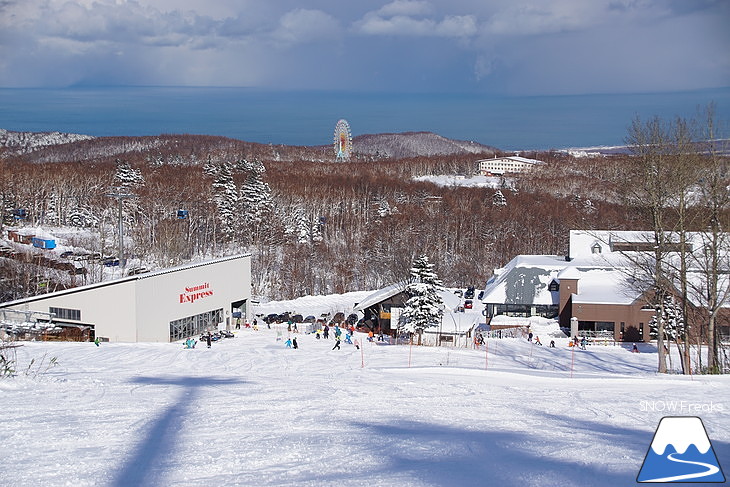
(120, 194)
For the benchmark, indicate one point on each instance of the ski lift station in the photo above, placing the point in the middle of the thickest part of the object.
(162, 306)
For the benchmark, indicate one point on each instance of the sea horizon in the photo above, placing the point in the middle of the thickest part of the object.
(308, 118)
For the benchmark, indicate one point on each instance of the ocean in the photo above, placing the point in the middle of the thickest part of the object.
(309, 118)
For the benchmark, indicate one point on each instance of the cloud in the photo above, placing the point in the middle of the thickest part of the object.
(405, 18)
(514, 46)
(303, 26)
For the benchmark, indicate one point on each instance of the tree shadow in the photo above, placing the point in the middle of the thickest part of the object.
(440, 455)
(145, 466)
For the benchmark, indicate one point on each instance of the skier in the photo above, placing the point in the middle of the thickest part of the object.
(326, 331)
(337, 344)
(537, 340)
(529, 337)
(348, 339)
(552, 343)
(583, 342)
(208, 338)
(294, 343)
(635, 349)
(96, 341)
(288, 343)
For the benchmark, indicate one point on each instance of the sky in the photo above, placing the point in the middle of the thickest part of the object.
(513, 47)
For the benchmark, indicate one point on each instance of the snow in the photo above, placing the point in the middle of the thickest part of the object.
(249, 411)
(471, 182)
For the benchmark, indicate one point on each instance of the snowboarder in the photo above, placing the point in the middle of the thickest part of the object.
(537, 340)
(337, 344)
(634, 349)
(294, 343)
(190, 343)
(96, 341)
(552, 343)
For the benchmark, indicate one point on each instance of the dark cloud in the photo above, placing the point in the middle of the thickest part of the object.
(509, 46)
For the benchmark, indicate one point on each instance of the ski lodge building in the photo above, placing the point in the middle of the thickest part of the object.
(594, 285)
(162, 306)
(498, 166)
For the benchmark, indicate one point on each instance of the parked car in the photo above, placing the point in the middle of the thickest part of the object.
(297, 318)
(137, 270)
(110, 262)
(66, 254)
(271, 318)
(469, 294)
(310, 319)
(468, 304)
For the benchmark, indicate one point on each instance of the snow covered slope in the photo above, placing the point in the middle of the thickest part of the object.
(251, 412)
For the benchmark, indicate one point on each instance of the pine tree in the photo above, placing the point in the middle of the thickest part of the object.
(498, 199)
(424, 309)
(225, 198)
(671, 316)
(255, 200)
(126, 176)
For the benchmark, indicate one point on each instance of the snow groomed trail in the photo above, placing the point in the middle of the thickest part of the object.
(250, 412)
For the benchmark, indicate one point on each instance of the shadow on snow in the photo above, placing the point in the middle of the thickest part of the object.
(146, 465)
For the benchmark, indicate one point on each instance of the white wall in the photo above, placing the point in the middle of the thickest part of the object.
(141, 308)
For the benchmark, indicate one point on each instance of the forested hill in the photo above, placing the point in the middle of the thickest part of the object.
(187, 149)
(415, 144)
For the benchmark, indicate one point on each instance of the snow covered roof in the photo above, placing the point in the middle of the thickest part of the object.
(525, 280)
(450, 300)
(602, 286)
(514, 158)
(380, 295)
(136, 277)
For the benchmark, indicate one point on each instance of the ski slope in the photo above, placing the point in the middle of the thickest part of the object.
(250, 412)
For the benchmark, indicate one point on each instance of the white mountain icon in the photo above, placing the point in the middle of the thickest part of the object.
(680, 432)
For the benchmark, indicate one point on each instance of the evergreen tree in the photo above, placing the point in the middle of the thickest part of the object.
(670, 314)
(424, 309)
(498, 199)
(225, 198)
(126, 176)
(255, 200)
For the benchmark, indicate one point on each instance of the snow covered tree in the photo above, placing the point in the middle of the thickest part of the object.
(498, 199)
(126, 176)
(424, 309)
(255, 200)
(225, 198)
(670, 315)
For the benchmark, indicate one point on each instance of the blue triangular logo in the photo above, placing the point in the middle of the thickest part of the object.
(681, 452)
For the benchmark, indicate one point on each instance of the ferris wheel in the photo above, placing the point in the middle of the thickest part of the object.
(343, 140)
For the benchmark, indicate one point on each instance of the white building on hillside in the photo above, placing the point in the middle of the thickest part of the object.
(504, 165)
(161, 306)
